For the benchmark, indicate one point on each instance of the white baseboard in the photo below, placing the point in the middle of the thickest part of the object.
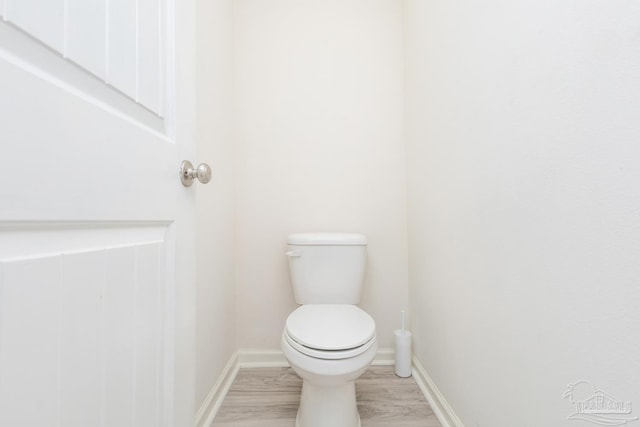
(251, 358)
(210, 406)
(439, 404)
(384, 356)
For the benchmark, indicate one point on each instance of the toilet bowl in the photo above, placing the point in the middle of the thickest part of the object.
(329, 346)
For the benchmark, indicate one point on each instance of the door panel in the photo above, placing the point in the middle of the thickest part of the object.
(121, 55)
(86, 34)
(21, 50)
(149, 56)
(120, 41)
(43, 19)
(82, 328)
(80, 344)
(29, 375)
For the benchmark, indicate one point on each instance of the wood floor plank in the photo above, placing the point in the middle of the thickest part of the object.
(269, 397)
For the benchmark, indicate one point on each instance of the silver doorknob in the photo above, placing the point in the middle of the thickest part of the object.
(188, 173)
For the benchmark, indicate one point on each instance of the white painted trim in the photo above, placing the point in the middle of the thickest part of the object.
(439, 404)
(384, 357)
(254, 358)
(211, 405)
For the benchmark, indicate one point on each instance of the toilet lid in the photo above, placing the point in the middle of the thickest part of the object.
(330, 326)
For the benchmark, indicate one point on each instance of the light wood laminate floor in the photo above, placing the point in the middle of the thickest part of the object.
(269, 397)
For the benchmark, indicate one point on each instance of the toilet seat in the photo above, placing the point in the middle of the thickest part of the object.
(329, 354)
(330, 331)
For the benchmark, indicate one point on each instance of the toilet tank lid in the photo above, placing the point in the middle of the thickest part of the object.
(342, 239)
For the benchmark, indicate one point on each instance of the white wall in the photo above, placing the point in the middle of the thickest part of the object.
(319, 122)
(523, 129)
(215, 321)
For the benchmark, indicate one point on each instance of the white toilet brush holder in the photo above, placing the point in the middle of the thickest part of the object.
(403, 351)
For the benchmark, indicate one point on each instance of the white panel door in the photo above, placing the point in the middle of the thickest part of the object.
(96, 230)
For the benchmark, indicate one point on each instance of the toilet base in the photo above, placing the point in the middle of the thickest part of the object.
(328, 406)
(328, 397)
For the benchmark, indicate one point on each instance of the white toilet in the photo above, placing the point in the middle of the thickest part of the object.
(328, 340)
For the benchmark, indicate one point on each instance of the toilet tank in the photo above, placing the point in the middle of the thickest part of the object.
(327, 268)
